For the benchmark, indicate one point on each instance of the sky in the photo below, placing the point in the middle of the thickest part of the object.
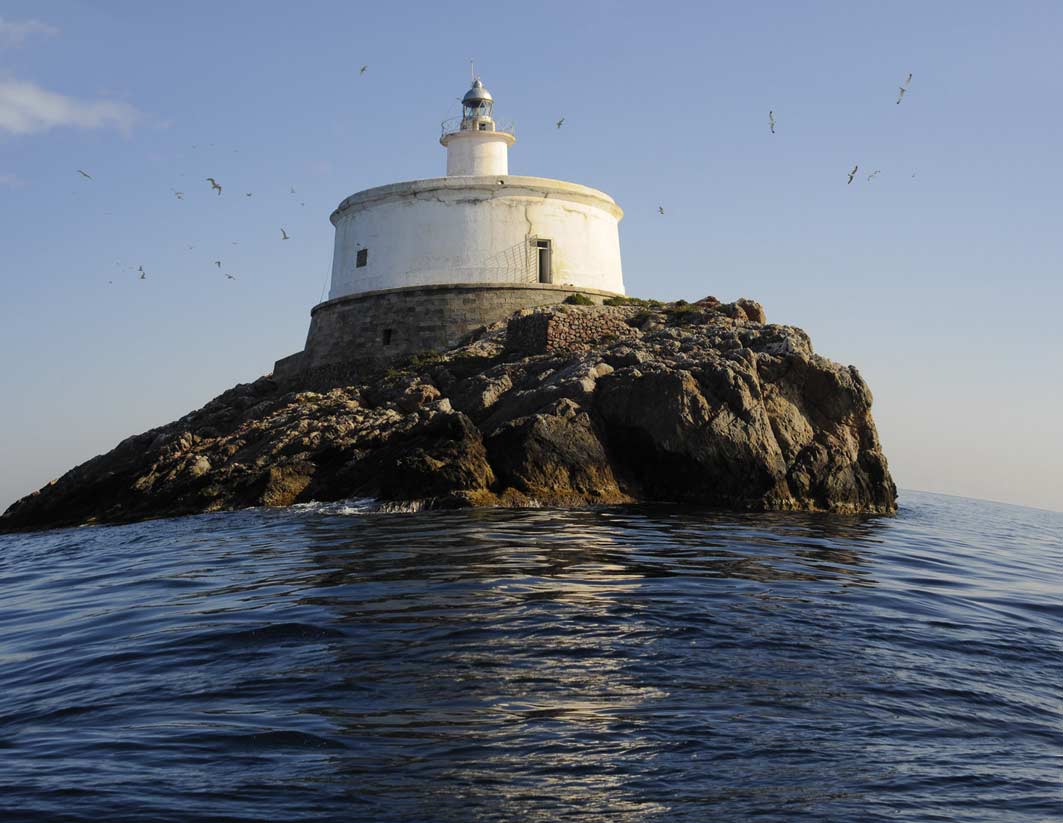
(941, 278)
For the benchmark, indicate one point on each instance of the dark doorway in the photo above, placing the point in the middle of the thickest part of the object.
(387, 336)
(545, 260)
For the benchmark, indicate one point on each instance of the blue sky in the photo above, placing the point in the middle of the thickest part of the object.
(944, 288)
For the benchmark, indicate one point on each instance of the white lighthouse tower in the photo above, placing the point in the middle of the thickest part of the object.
(417, 265)
(477, 147)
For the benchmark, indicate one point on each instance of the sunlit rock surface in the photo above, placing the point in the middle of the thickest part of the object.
(699, 403)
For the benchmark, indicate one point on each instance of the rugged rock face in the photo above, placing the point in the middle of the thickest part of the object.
(566, 406)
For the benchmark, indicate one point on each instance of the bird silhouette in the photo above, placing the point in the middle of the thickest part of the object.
(872, 176)
(284, 234)
(248, 194)
(771, 121)
(852, 174)
(143, 274)
(180, 195)
(214, 185)
(902, 90)
(84, 173)
(561, 122)
(362, 69)
(660, 209)
(230, 277)
(291, 189)
(217, 263)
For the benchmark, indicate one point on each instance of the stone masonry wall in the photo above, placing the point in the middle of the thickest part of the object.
(381, 327)
(534, 331)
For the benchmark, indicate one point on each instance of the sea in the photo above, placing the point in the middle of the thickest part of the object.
(646, 663)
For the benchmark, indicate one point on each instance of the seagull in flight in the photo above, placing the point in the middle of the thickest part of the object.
(362, 69)
(84, 173)
(230, 277)
(180, 195)
(284, 234)
(248, 194)
(660, 209)
(143, 274)
(561, 122)
(771, 121)
(214, 185)
(852, 174)
(872, 176)
(291, 189)
(217, 263)
(903, 89)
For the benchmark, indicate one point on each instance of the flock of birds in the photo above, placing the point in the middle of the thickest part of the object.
(902, 90)
(217, 187)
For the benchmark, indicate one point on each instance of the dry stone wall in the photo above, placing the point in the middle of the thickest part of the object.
(566, 328)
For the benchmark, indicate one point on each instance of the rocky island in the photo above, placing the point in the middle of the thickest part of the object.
(571, 405)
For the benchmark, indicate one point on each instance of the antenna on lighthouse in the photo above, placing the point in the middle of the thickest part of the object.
(472, 71)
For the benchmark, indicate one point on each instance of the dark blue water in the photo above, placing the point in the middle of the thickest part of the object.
(618, 665)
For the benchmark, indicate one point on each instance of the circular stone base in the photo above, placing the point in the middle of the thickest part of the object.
(387, 325)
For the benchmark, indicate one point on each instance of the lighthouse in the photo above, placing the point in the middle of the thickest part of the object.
(477, 146)
(419, 264)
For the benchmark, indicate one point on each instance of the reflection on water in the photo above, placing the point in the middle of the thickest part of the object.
(652, 663)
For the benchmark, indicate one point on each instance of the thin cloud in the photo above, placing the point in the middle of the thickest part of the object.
(15, 32)
(26, 108)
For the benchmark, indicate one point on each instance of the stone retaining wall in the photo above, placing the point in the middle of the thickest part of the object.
(538, 331)
(381, 327)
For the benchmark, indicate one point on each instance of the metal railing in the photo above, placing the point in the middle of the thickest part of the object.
(454, 124)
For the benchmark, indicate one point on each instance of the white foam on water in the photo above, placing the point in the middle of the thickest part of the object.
(355, 505)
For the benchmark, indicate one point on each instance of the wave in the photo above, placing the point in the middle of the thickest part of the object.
(359, 505)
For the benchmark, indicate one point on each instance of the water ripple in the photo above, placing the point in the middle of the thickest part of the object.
(335, 662)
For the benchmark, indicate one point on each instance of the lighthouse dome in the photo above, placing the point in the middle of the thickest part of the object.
(477, 95)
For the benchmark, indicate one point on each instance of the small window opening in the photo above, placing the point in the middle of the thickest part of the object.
(545, 261)
(387, 336)
(483, 127)
(362, 259)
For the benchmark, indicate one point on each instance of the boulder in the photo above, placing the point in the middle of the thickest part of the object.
(555, 457)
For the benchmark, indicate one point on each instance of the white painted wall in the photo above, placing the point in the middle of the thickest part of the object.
(477, 153)
(473, 230)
